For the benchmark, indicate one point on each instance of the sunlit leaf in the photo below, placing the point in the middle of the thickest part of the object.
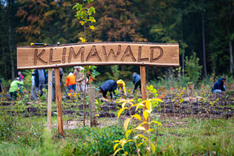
(82, 39)
(138, 145)
(156, 122)
(128, 133)
(140, 128)
(123, 142)
(148, 105)
(156, 99)
(137, 116)
(126, 122)
(153, 148)
(117, 151)
(82, 22)
(142, 136)
(146, 115)
(115, 146)
(120, 111)
(92, 27)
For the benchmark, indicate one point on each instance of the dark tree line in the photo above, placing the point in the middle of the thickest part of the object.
(201, 26)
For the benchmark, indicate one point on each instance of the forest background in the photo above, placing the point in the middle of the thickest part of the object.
(201, 27)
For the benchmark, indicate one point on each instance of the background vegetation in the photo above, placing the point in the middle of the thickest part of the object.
(203, 26)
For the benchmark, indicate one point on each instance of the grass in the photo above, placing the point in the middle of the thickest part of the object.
(197, 137)
(20, 135)
(177, 136)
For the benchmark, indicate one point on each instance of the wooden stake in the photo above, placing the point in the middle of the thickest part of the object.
(143, 91)
(49, 99)
(91, 94)
(58, 101)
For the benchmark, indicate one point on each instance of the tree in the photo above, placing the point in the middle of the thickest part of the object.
(192, 68)
(116, 22)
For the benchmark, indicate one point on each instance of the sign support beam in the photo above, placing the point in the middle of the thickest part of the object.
(58, 101)
(143, 92)
(49, 99)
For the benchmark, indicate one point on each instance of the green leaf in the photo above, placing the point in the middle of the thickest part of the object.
(138, 145)
(153, 147)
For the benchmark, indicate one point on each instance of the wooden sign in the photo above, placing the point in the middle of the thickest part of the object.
(98, 54)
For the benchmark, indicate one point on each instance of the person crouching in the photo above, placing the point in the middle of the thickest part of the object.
(108, 86)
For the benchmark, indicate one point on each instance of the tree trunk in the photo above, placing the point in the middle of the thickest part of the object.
(203, 46)
(10, 36)
(3, 56)
(182, 40)
(229, 37)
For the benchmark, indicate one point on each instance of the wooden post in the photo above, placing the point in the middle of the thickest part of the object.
(91, 94)
(49, 99)
(58, 101)
(143, 91)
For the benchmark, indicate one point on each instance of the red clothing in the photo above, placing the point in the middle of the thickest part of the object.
(22, 77)
(71, 80)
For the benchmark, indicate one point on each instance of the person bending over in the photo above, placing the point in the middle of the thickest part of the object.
(136, 79)
(121, 87)
(219, 85)
(14, 87)
(108, 86)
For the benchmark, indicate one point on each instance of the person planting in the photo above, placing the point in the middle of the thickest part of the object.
(108, 86)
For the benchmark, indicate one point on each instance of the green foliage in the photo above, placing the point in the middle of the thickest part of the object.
(6, 127)
(48, 148)
(115, 73)
(141, 132)
(27, 78)
(192, 68)
(84, 15)
(97, 141)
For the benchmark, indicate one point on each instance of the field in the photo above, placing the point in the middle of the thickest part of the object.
(191, 123)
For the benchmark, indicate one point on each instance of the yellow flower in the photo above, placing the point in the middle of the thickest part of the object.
(92, 27)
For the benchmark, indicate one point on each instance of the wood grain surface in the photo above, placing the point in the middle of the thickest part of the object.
(98, 54)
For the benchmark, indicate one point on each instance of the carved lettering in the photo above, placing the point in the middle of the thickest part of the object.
(51, 58)
(75, 55)
(139, 55)
(64, 55)
(93, 53)
(128, 53)
(111, 52)
(152, 50)
(125, 53)
(38, 57)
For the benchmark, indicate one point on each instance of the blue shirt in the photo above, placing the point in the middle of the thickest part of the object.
(41, 76)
